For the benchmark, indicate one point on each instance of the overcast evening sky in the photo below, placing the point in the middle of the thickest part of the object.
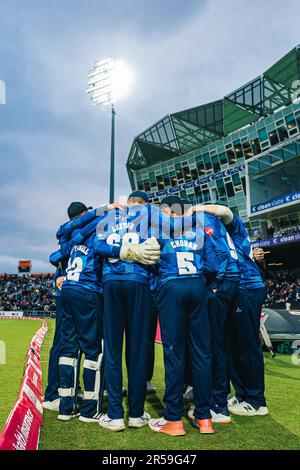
(55, 147)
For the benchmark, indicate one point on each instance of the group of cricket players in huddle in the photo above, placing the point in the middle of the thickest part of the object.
(122, 267)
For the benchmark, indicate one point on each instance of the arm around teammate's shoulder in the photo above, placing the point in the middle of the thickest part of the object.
(222, 212)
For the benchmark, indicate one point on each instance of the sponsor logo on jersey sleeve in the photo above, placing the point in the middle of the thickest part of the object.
(209, 231)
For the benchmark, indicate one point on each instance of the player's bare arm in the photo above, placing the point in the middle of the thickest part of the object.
(222, 212)
(115, 205)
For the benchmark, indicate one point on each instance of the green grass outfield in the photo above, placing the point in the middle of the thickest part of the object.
(279, 430)
(17, 335)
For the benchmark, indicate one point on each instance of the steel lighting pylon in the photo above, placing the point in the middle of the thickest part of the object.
(109, 81)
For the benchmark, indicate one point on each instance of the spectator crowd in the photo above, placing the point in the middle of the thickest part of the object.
(282, 288)
(35, 293)
(28, 293)
(272, 233)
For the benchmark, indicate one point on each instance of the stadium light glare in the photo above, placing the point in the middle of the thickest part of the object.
(108, 82)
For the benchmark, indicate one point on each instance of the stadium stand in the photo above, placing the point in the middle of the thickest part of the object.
(283, 288)
(272, 233)
(35, 292)
(28, 292)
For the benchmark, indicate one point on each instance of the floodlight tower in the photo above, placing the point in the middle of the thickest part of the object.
(108, 81)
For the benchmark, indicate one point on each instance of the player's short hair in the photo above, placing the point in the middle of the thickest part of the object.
(175, 203)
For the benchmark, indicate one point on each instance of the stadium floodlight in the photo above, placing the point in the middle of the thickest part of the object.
(108, 82)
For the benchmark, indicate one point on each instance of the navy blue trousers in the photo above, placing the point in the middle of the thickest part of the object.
(183, 316)
(82, 332)
(51, 392)
(151, 339)
(244, 346)
(127, 308)
(152, 336)
(220, 304)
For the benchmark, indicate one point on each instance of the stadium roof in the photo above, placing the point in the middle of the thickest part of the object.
(188, 130)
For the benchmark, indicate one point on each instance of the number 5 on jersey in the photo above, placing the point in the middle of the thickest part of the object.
(185, 263)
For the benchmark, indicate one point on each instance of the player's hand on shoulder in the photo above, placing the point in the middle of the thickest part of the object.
(59, 282)
(115, 205)
(197, 208)
(189, 212)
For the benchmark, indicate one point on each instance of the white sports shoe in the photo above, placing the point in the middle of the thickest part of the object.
(188, 394)
(245, 409)
(233, 401)
(157, 424)
(219, 418)
(172, 428)
(68, 417)
(139, 422)
(51, 405)
(112, 424)
(90, 419)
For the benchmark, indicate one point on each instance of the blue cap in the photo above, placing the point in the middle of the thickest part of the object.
(140, 194)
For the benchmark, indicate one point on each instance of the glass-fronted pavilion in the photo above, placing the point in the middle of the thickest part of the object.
(209, 152)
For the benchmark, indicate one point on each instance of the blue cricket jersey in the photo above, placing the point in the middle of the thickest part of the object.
(66, 243)
(250, 273)
(133, 224)
(67, 228)
(84, 270)
(223, 244)
(78, 223)
(190, 255)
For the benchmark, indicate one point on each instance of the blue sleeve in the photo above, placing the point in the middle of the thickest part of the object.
(221, 247)
(240, 235)
(222, 258)
(57, 274)
(67, 228)
(237, 227)
(103, 249)
(60, 257)
(62, 254)
(62, 231)
(66, 244)
(85, 232)
(55, 258)
(210, 260)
